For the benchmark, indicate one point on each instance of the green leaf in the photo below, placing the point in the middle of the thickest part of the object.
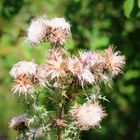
(128, 7)
(138, 3)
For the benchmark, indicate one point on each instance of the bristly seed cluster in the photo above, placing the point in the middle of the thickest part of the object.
(88, 115)
(26, 75)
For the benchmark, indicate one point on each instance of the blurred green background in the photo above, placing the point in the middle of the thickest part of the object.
(95, 24)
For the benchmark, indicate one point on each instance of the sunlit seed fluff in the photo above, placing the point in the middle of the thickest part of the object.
(19, 123)
(88, 115)
(23, 85)
(114, 61)
(36, 32)
(23, 68)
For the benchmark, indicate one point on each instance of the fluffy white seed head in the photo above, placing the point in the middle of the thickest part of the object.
(55, 30)
(37, 31)
(88, 115)
(23, 68)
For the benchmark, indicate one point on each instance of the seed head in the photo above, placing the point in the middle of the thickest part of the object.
(88, 115)
(23, 68)
(36, 32)
(23, 84)
(114, 61)
(55, 30)
(55, 65)
(58, 30)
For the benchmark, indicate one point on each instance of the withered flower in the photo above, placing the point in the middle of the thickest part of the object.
(19, 123)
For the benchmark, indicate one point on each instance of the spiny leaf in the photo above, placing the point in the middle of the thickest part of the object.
(63, 94)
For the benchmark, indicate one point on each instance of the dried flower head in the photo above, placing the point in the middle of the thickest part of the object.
(23, 68)
(99, 60)
(58, 30)
(55, 65)
(55, 30)
(36, 32)
(88, 115)
(73, 65)
(23, 84)
(19, 123)
(80, 70)
(97, 66)
(93, 67)
(114, 61)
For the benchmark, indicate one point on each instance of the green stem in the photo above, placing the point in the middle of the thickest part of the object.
(65, 101)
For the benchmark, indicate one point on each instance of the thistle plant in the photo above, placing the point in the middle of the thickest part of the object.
(63, 95)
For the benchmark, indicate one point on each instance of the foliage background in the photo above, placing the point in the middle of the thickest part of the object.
(95, 24)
